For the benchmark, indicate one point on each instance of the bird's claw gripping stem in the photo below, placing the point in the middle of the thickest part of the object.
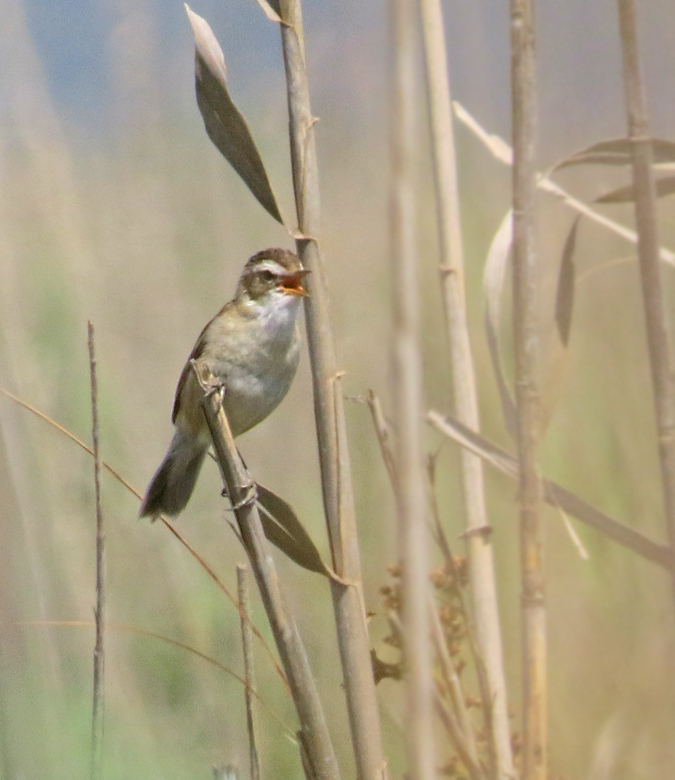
(209, 383)
(249, 499)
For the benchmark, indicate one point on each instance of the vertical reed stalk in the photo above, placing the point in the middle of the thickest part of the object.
(479, 548)
(526, 346)
(316, 747)
(249, 672)
(336, 480)
(656, 315)
(98, 709)
(407, 397)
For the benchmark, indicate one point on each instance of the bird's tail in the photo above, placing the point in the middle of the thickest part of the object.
(171, 487)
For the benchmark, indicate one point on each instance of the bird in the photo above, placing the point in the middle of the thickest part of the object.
(252, 349)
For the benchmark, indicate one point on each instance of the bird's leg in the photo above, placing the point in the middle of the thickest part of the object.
(251, 493)
(209, 383)
(249, 499)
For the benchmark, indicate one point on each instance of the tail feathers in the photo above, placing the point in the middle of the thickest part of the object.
(171, 487)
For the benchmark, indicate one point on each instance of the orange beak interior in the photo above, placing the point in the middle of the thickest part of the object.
(292, 284)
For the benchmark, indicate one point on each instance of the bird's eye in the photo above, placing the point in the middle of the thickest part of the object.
(268, 276)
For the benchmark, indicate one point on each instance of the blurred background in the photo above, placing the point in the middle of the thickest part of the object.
(115, 207)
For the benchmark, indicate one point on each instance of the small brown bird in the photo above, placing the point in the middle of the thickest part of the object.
(252, 346)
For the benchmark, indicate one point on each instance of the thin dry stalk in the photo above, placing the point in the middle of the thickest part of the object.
(98, 709)
(384, 439)
(656, 316)
(526, 343)
(556, 495)
(313, 732)
(479, 548)
(449, 720)
(336, 481)
(452, 683)
(407, 399)
(107, 467)
(249, 672)
(451, 567)
(501, 151)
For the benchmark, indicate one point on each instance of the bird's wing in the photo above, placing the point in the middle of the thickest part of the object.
(196, 353)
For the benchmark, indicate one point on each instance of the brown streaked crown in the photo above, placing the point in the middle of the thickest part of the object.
(270, 269)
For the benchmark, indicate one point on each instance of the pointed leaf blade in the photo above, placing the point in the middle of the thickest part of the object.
(617, 151)
(283, 528)
(664, 187)
(225, 125)
(494, 278)
(271, 9)
(554, 494)
(564, 303)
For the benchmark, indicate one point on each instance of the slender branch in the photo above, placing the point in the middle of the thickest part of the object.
(556, 495)
(143, 632)
(656, 316)
(449, 720)
(107, 467)
(407, 397)
(526, 344)
(98, 709)
(479, 547)
(501, 151)
(336, 480)
(452, 568)
(249, 672)
(452, 683)
(241, 490)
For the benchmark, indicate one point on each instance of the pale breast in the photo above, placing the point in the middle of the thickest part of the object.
(256, 359)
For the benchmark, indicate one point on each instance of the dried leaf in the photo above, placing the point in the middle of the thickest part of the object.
(225, 125)
(664, 187)
(272, 10)
(617, 151)
(554, 494)
(283, 528)
(564, 302)
(494, 278)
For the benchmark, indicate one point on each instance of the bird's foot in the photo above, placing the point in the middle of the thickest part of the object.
(209, 383)
(250, 497)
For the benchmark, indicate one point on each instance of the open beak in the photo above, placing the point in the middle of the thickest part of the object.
(292, 283)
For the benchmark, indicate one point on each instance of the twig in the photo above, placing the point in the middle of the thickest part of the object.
(452, 568)
(453, 685)
(407, 397)
(501, 151)
(336, 480)
(452, 726)
(479, 546)
(384, 438)
(207, 568)
(143, 632)
(249, 672)
(658, 328)
(526, 345)
(556, 495)
(241, 490)
(98, 709)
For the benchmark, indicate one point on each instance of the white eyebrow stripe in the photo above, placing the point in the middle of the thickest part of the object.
(268, 265)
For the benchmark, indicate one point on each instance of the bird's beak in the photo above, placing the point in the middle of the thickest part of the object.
(292, 283)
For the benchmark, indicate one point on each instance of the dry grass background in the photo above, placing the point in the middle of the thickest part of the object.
(115, 207)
